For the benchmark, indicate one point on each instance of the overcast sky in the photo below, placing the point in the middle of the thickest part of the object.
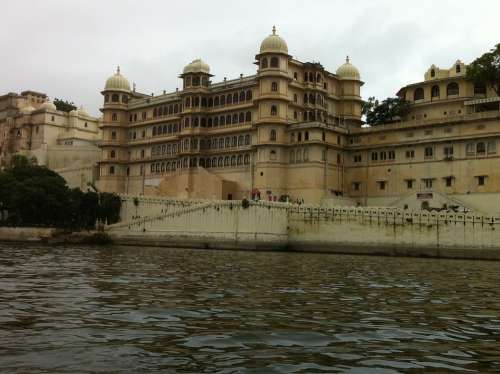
(68, 49)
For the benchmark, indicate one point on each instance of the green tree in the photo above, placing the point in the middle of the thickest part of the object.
(485, 70)
(389, 110)
(36, 196)
(63, 105)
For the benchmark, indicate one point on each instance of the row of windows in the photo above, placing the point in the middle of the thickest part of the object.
(166, 129)
(226, 142)
(167, 110)
(452, 89)
(221, 100)
(273, 62)
(164, 149)
(209, 162)
(222, 120)
(427, 183)
(480, 148)
(299, 155)
(115, 98)
(196, 80)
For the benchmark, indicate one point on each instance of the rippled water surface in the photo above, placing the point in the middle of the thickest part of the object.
(131, 310)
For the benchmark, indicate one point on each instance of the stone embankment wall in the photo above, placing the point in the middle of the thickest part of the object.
(264, 225)
(394, 232)
(25, 234)
(207, 224)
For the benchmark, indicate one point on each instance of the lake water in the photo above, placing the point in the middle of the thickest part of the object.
(132, 310)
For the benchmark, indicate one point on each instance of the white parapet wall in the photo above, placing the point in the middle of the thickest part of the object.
(266, 225)
(209, 224)
(394, 232)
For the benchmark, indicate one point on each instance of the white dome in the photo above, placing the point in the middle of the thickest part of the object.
(117, 82)
(348, 71)
(273, 44)
(48, 105)
(83, 112)
(27, 109)
(197, 66)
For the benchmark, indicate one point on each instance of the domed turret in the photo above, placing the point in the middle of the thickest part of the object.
(348, 71)
(27, 109)
(273, 44)
(197, 66)
(48, 105)
(83, 112)
(117, 82)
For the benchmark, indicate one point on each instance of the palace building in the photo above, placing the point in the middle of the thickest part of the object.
(66, 142)
(294, 131)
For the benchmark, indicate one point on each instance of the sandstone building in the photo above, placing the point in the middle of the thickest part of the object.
(294, 130)
(31, 125)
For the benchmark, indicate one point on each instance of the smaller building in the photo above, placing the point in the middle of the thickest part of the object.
(31, 125)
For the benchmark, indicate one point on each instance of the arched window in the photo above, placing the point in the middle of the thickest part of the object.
(247, 139)
(233, 160)
(305, 98)
(274, 110)
(216, 101)
(111, 170)
(202, 162)
(311, 99)
(214, 162)
(106, 98)
(480, 147)
(221, 143)
(295, 115)
(210, 102)
(241, 140)
(274, 62)
(112, 154)
(295, 98)
(248, 117)
(162, 167)
(235, 118)
(318, 78)
(249, 95)
(234, 141)
(418, 94)
(176, 108)
(242, 117)
(229, 99)
(204, 102)
(222, 120)
(196, 102)
(227, 142)
(195, 122)
(433, 73)
(274, 86)
(272, 135)
(242, 96)
(114, 117)
(240, 159)
(235, 98)
(196, 81)
(226, 161)
(124, 99)
(203, 122)
(299, 137)
(188, 102)
(223, 100)
(311, 77)
(164, 129)
(457, 68)
(154, 131)
(115, 98)
(435, 91)
(306, 135)
(209, 122)
(264, 63)
(452, 89)
(216, 121)
(246, 159)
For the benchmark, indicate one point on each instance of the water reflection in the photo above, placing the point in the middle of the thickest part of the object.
(129, 310)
